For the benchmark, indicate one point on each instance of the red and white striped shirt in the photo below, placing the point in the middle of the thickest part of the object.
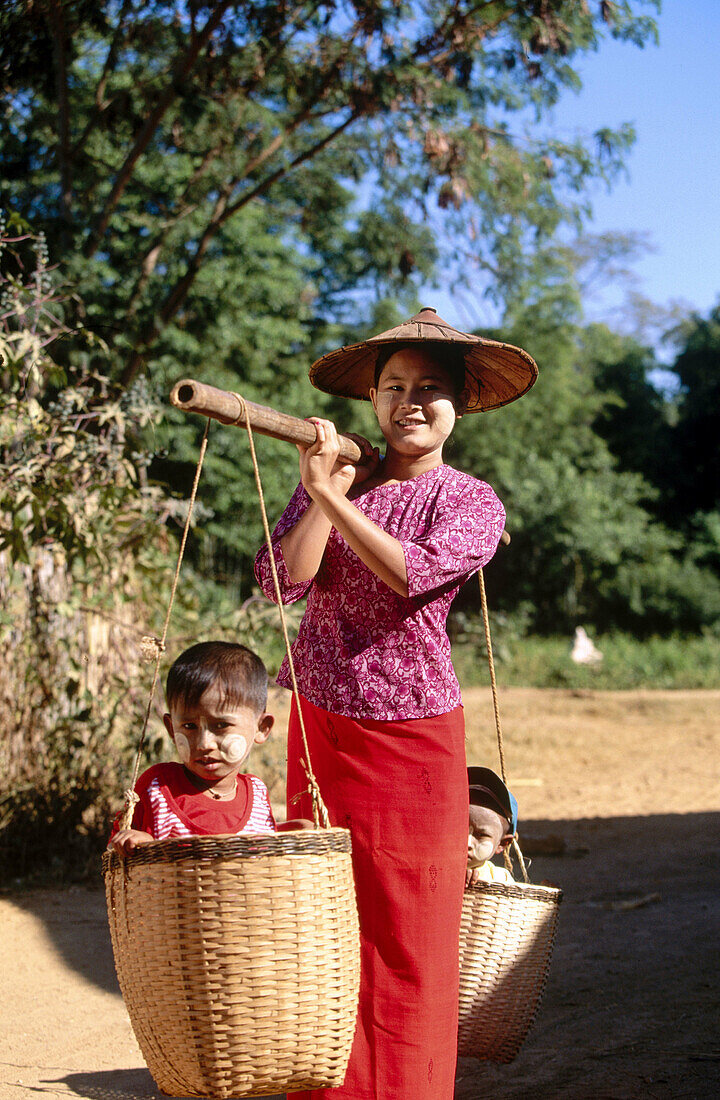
(171, 806)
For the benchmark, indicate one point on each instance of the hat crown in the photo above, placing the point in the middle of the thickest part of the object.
(425, 325)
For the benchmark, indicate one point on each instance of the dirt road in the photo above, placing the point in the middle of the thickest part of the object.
(629, 785)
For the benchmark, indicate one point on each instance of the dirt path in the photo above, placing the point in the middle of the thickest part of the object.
(629, 782)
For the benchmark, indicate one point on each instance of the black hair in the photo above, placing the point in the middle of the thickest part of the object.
(239, 670)
(448, 356)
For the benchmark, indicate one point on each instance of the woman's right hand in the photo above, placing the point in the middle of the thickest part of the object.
(320, 467)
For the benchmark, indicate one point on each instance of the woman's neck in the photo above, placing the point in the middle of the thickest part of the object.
(401, 467)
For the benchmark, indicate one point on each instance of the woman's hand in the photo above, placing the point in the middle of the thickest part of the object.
(128, 839)
(327, 481)
(321, 470)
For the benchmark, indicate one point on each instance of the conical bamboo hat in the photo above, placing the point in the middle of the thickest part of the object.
(495, 373)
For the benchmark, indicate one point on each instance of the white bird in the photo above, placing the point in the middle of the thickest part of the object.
(583, 650)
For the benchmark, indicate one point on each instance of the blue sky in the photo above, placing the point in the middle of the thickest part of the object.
(671, 93)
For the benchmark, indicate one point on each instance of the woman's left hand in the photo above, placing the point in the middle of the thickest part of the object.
(369, 461)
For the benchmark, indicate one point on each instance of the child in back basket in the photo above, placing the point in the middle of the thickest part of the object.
(493, 824)
(216, 696)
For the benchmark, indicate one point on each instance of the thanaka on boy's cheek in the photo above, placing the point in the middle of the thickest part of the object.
(232, 748)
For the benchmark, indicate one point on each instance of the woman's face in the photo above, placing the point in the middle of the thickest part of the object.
(415, 402)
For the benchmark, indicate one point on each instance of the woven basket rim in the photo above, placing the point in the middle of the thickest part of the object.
(220, 846)
(551, 895)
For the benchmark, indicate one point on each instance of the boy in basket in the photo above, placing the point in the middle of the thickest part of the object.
(493, 824)
(216, 696)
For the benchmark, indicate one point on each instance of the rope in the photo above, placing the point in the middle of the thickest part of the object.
(498, 727)
(153, 648)
(320, 814)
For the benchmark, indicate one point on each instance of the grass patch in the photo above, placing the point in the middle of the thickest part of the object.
(628, 663)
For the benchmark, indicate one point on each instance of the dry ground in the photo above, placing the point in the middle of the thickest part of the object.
(628, 783)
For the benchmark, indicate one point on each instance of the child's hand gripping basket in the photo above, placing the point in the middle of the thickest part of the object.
(506, 939)
(238, 960)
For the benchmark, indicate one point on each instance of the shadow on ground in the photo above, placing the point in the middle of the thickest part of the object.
(631, 1009)
(121, 1084)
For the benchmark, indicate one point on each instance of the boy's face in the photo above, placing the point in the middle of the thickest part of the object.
(213, 739)
(488, 836)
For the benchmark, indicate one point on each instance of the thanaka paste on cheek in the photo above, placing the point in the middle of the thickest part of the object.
(445, 414)
(232, 748)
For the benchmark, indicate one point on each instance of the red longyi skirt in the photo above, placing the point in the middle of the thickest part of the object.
(401, 789)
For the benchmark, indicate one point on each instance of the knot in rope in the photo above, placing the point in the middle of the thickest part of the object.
(320, 814)
(130, 800)
(150, 647)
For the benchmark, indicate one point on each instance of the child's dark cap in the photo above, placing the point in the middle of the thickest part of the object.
(488, 789)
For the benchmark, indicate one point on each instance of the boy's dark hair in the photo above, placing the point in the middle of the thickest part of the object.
(450, 358)
(239, 670)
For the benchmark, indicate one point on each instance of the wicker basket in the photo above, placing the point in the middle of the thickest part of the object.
(506, 939)
(238, 959)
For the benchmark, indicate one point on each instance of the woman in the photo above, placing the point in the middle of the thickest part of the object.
(381, 551)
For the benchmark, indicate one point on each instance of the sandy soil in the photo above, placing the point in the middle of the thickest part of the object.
(626, 784)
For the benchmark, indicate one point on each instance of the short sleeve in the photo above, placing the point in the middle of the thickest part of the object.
(290, 592)
(261, 818)
(462, 536)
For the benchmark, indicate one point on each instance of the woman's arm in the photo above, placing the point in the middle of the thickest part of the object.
(327, 483)
(304, 544)
(289, 590)
(382, 553)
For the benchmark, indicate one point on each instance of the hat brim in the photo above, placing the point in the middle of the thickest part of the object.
(484, 780)
(495, 373)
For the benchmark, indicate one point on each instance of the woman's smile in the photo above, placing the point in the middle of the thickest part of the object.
(409, 423)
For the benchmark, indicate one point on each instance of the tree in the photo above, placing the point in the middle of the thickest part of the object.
(586, 546)
(693, 451)
(633, 420)
(162, 135)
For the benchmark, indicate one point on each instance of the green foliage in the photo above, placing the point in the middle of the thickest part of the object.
(634, 417)
(72, 463)
(695, 485)
(79, 558)
(174, 153)
(233, 188)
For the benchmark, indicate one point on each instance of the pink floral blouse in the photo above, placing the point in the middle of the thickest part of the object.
(362, 649)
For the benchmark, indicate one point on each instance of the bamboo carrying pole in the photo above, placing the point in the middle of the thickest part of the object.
(228, 408)
(192, 396)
